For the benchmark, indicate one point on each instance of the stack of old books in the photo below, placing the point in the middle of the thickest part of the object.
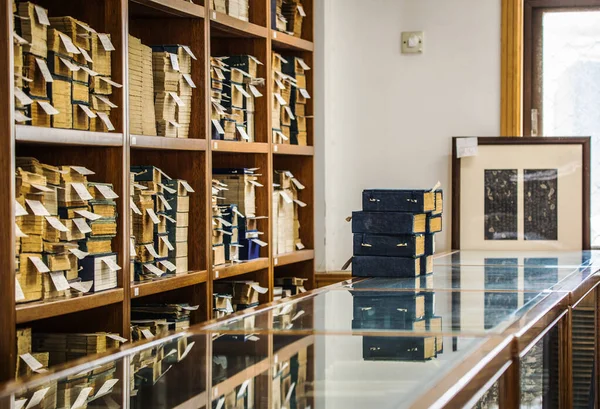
(278, 20)
(218, 223)
(393, 235)
(291, 285)
(240, 190)
(294, 13)
(177, 316)
(222, 305)
(239, 9)
(244, 294)
(233, 222)
(286, 205)
(294, 113)
(160, 213)
(136, 87)
(218, 113)
(172, 66)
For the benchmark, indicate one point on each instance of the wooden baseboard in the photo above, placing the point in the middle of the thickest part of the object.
(325, 279)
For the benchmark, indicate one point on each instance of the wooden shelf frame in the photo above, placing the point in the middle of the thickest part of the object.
(111, 154)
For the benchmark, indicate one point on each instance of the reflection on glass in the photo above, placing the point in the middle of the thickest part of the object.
(490, 399)
(582, 367)
(540, 372)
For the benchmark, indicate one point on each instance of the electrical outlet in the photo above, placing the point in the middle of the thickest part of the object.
(412, 42)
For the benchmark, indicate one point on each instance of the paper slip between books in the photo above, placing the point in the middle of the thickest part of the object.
(112, 265)
(82, 398)
(108, 385)
(54, 222)
(106, 120)
(19, 232)
(255, 91)
(153, 216)
(300, 203)
(303, 64)
(44, 69)
(188, 79)
(259, 289)
(280, 99)
(188, 50)
(174, 61)
(105, 100)
(82, 170)
(132, 245)
(220, 403)
(85, 55)
(167, 189)
(187, 186)
(82, 191)
(153, 269)
(289, 112)
(134, 207)
(37, 397)
(39, 264)
(20, 210)
(243, 133)
(42, 15)
(299, 185)
(82, 225)
(21, 117)
(151, 250)
(33, 363)
(147, 334)
(111, 82)
(289, 394)
(88, 215)
(168, 265)
(106, 43)
(218, 127)
(78, 253)
(22, 96)
(116, 337)
(59, 280)
(187, 350)
(107, 192)
(89, 71)
(84, 286)
(164, 201)
(285, 196)
(19, 295)
(260, 242)
(165, 239)
(304, 93)
(19, 404)
(300, 246)
(169, 218)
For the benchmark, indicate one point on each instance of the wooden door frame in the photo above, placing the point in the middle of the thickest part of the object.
(532, 40)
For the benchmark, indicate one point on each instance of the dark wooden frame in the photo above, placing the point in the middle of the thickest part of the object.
(583, 141)
(532, 41)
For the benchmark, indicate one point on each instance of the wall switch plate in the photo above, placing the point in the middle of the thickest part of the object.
(412, 42)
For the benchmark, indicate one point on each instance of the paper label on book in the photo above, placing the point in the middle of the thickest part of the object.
(69, 64)
(243, 388)
(178, 100)
(82, 191)
(89, 71)
(87, 111)
(78, 253)
(108, 385)
(107, 192)
(285, 196)
(220, 403)
(153, 216)
(219, 73)
(106, 43)
(165, 240)
(42, 188)
(141, 187)
(82, 170)
(22, 96)
(302, 63)
(300, 203)
(280, 99)
(300, 246)
(168, 265)
(167, 189)
(82, 225)
(297, 183)
(174, 61)
(111, 263)
(19, 404)
(66, 40)
(255, 183)
(54, 222)
(37, 207)
(33, 363)
(242, 90)
(188, 50)
(20, 40)
(88, 215)
(280, 57)
(153, 269)
(151, 250)
(106, 121)
(82, 398)
(304, 93)
(187, 186)
(48, 109)
(85, 55)
(260, 242)
(164, 201)
(19, 232)
(21, 117)
(279, 84)
(243, 133)
(105, 100)
(289, 112)
(19, 295)
(466, 147)
(187, 350)
(111, 82)
(169, 218)
(259, 289)
(37, 397)
(254, 91)
(84, 286)
(116, 337)
(134, 207)
(218, 127)
(175, 124)
(189, 80)
(289, 393)
(20, 210)
(225, 222)
(42, 15)
(59, 280)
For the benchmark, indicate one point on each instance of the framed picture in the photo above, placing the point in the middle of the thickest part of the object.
(521, 193)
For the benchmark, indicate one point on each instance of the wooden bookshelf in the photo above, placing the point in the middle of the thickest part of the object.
(110, 154)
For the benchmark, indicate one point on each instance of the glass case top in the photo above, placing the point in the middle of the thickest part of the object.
(560, 259)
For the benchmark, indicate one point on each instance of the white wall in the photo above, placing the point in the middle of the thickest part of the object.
(384, 119)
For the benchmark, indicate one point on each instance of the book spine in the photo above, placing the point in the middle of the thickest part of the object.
(374, 266)
(383, 245)
(382, 223)
(393, 201)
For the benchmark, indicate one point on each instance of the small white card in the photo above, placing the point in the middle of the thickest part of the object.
(243, 133)
(134, 207)
(188, 50)
(168, 265)
(42, 15)
(178, 100)
(56, 223)
(82, 398)
(279, 99)
(105, 100)
(37, 207)
(48, 109)
(107, 192)
(151, 250)
(466, 147)
(304, 93)
(87, 111)
(108, 385)
(165, 240)
(153, 216)
(85, 55)
(22, 97)
(254, 91)
(84, 286)
(106, 43)
(189, 80)
(82, 191)
(82, 170)
(59, 280)
(110, 262)
(88, 215)
(153, 269)
(19, 295)
(106, 121)
(68, 43)
(78, 253)
(82, 225)
(174, 61)
(218, 127)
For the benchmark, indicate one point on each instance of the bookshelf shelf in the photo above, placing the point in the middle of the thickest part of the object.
(167, 8)
(284, 41)
(56, 136)
(293, 150)
(168, 284)
(227, 26)
(161, 142)
(53, 308)
(293, 257)
(237, 269)
(241, 147)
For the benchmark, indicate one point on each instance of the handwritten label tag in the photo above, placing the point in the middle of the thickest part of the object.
(82, 225)
(82, 170)
(297, 183)
(134, 207)
(82, 191)
(189, 80)
(151, 250)
(174, 61)
(66, 40)
(85, 54)
(178, 100)
(105, 100)
(31, 362)
(22, 96)
(218, 127)
(21, 117)
(107, 192)
(42, 15)
(110, 263)
(189, 51)
(54, 222)
(108, 385)
(243, 133)
(59, 280)
(78, 253)
(164, 202)
(165, 240)
(304, 93)
(19, 295)
(254, 91)
(153, 269)
(279, 99)
(289, 112)
(153, 216)
(104, 117)
(84, 286)
(48, 109)
(88, 215)
(168, 265)
(82, 398)
(242, 91)
(37, 207)
(466, 147)
(300, 203)
(106, 43)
